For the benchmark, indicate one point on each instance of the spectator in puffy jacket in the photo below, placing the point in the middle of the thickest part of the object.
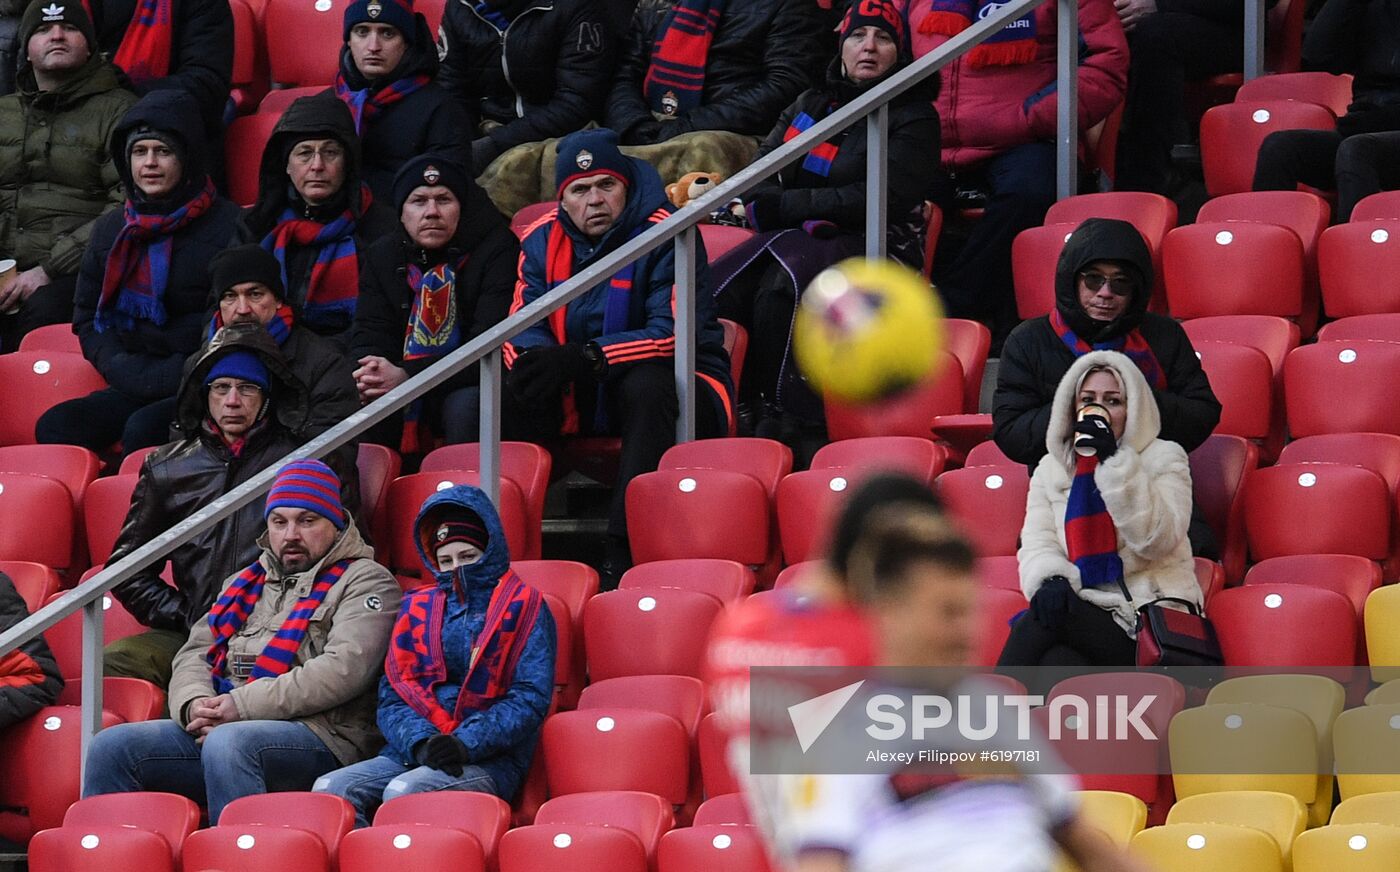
(316, 214)
(275, 686)
(68, 101)
(708, 78)
(998, 109)
(461, 707)
(1362, 156)
(140, 304)
(525, 71)
(387, 77)
(29, 678)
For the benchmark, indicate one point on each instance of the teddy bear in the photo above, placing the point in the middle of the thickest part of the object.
(691, 186)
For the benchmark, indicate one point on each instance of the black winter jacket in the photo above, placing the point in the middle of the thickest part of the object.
(29, 678)
(428, 120)
(179, 478)
(763, 54)
(545, 75)
(145, 362)
(1034, 358)
(1361, 37)
(1225, 11)
(484, 287)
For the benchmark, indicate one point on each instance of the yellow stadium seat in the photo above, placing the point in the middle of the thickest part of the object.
(1120, 816)
(1243, 746)
(1318, 697)
(1386, 694)
(1207, 848)
(1280, 816)
(1348, 848)
(1369, 808)
(1366, 743)
(1383, 632)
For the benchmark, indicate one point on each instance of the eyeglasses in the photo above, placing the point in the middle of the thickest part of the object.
(1120, 285)
(246, 390)
(327, 153)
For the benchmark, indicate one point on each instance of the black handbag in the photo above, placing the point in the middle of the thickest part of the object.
(1171, 637)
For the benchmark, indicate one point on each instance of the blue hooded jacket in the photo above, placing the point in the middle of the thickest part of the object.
(500, 739)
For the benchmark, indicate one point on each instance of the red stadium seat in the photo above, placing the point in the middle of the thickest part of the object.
(1210, 576)
(1349, 257)
(433, 11)
(1272, 335)
(1347, 574)
(34, 581)
(1378, 452)
(244, 142)
(714, 764)
(577, 848)
(598, 750)
(726, 809)
(1034, 254)
(675, 513)
(411, 846)
(1002, 572)
(911, 455)
(1231, 136)
(40, 760)
(1243, 381)
(1380, 206)
(969, 342)
(104, 511)
(1284, 625)
(1342, 387)
(276, 102)
(1384, 327)
(989, 503)
(910, 413)
(713, 849)
(255, 848)
(70, 465)
(38, 525)
(131, 699)
(107, 847)
(808, 503)
(526, 464)
(647, 632)
(32, 382)
(724, 580)
(168, 815)
(1219, 469)
(406, 496)
(736, 345)
(326, 817)
(680, 696)
(65, 639)
(644, 815)
(528, 215)
(131, 464)
(1323, 89)
(378, 465)
(720, 240)
(961, 433)
(987, 453)
(767, 460)
(567, 663)
(480, 815)
(572, 584)
(1264, 262)
(1318, 508)
(249, 77)
(304, 40)
(51, 338)
(996, 609)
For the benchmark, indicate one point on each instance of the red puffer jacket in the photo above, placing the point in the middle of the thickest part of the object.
(989, 110)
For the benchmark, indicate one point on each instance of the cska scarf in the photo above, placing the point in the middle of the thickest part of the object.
(415, 665)
(819, 160)
(676, 78)
(1091, 540)
(365, 107)
(236, 603)
(144, 54)
(1133, 345)
(279, 328)
(1012, 45)
(433, 330)
(334, 286)
(138, 266)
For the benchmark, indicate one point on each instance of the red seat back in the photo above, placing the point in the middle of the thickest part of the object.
(1243, 381)
(1379, 206)
(411, 846)
(255, 848)
(276, 102)
(1264, 262)
(526, 464)
(482, 816)
(1284, 625)
(1342, 387)
(996, 609)
(1323, 89)
(50, 338)
(680, 696)
(1347, 574)
(40, 758)
(35, 582)
(912, 455)
(577, 847)
(808, 503)
(1318, 508)
(713, 849)
(1219, 470)
(644, 815)
(108, 847)
(326, 817)
(1034, 255)
(675, 513)
(647, 632)
(908, 413)
(1382, 327)
(104, 512)
(1231, 136)
(597, 750)
(32, 382)
(168, 815)
(715, 773)
(723, 809)
(38, 520)
(724, 580)
(244, 142)
(1349, 258)
(767, 460)
(970, 342)
(1270, 334)
(304, 40)
(720, 239)
(989, 504)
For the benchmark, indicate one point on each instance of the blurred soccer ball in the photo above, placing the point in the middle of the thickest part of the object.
(867, 329)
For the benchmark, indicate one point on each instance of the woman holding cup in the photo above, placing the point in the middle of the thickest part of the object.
(1106, 521)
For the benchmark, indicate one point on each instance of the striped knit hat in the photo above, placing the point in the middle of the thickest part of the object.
(310, 485)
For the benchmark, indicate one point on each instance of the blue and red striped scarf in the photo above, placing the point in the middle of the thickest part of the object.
(1012, 45)
(144, 53)
(365, 107)
(279, 328)
(433, 330)
(236, 603)
(1132, 344)
(675, 80)
(334, 286)
(819, 160)
(138, 266)
(1091, 539)
(415, 665)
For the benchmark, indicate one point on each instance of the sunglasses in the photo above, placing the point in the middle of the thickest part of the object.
(1119, 285)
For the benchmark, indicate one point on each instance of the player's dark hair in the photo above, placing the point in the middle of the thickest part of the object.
(894, 491)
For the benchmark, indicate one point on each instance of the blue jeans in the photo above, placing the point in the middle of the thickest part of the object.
(371, 783)
(238, 759)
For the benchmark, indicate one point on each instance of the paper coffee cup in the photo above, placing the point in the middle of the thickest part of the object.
(7, 275)
(1081, 445)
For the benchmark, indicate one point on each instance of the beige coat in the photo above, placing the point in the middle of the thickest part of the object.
(1146, 486)
(331, 687)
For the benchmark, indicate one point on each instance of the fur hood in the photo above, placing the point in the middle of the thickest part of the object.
(1144, 420)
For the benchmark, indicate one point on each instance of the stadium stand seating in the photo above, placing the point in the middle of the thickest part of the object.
(413, 846)
(1323, 89)
(724, 580)
(169, 816)
(484, 817)
(1231, 135)
(922, 459)
(1264, 262)
(112, 848)
(989, 503)
(32, 382)
(407, 493)
(1350, 847)
(647, 632)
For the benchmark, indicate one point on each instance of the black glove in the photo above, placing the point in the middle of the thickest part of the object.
(442, 752)
(1097, 434)
(643, 133)
(540, 374)
(763, 211)
(1051, 602)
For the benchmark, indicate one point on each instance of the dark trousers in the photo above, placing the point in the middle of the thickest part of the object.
(99, 419)
(1087, 636)
(1167, 50)
(642, 409)
(50, 304)
(976, 283)
(1357, 166)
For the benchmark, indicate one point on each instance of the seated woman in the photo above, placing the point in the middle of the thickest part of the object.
(812, 214)
(1107, 478)
(460, 707)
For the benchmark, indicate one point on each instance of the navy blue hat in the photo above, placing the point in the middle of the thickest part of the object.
(395, 13)
(241, 364)
(590, 153)
(431, 170)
